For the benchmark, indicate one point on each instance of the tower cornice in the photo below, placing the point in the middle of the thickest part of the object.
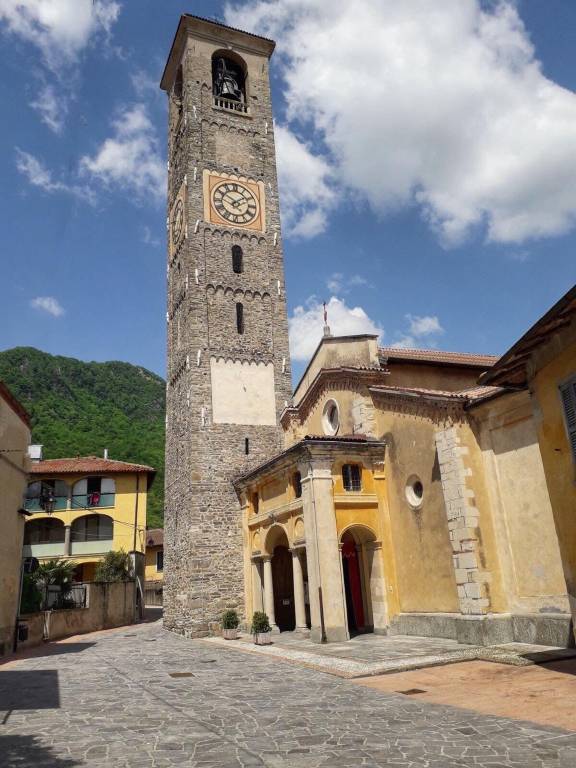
(213, 31)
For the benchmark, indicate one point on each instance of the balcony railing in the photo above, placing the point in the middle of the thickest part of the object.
(94, 547)
(86, 500)
(33, 505)
(55, 549)
(231, 105)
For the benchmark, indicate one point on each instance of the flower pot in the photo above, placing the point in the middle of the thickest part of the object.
(230, 634)
(263, 638)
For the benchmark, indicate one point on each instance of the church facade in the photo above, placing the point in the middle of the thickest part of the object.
(391, 492)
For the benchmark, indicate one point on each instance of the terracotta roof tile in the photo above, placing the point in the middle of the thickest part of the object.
(471, 394)
(87, 464)
(438, 356)
(155, 537)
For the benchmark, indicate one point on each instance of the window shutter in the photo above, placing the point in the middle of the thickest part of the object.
(568, 393)
(107, 485)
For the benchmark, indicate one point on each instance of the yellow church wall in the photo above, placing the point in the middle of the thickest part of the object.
(559, 466)
(431, 377)
(519, 544)
(420, 541)
(351, 403)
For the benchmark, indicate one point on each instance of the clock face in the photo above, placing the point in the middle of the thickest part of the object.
(177, 222)
(235, 203)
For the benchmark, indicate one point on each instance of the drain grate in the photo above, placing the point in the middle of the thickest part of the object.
(412, 691)
(180, 674)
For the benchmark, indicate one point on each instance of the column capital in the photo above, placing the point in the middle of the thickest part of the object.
(266, 558)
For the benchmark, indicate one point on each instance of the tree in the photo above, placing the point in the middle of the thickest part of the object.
(116, 566)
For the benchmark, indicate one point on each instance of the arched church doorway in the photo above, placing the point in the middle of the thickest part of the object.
(355, 569)
(282, 579)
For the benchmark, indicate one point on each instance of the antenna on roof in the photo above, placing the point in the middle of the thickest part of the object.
(327, 332)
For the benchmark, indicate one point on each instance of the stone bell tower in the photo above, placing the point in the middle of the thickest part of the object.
(228, 361)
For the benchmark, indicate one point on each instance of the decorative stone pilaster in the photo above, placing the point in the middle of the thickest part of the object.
(327, 600)
(463, 521)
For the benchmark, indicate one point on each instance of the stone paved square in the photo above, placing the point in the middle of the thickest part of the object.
(119, 706)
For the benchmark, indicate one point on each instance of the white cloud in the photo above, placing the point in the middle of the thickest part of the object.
(441, 105)
(130, 159)
(148, 238)
(39, 176)
(419, 328)
(307, 323)
(59, 28)
(339, 283)
(145, 84)
(48, 304)
(424, 326)
(303, 179)
(51, 106)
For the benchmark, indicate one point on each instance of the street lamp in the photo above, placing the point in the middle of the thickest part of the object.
(47, 499)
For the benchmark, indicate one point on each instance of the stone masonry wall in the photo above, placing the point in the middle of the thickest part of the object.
(203, 544)
(463, 519)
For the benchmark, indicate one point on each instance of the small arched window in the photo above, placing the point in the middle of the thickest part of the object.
(240, 317)
(237, 259)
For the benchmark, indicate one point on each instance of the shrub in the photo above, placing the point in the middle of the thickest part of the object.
(230, 620)
(260, 623)
(116, 566)
(31, 596)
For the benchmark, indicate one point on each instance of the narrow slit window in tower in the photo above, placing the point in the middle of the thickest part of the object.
(237, 259)
(240, 317)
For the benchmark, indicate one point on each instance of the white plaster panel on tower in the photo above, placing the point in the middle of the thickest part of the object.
(242, 392)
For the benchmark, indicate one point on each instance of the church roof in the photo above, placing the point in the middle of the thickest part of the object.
(466, 359)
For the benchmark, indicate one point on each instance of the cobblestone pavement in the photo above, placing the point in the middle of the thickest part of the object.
(111, 699)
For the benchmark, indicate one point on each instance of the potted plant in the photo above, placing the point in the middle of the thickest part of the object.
(230, 623)
(261, 629)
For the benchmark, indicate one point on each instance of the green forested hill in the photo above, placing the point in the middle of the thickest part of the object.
(78, 409)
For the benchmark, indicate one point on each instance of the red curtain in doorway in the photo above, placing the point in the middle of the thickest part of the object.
(351, 555)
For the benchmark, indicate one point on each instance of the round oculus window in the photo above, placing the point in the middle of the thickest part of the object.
(331, 418)
(414, 491)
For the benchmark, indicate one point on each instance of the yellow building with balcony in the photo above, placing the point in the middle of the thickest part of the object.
(83, 508)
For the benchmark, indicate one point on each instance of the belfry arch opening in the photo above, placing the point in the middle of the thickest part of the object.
(229, 80)
(359, 574)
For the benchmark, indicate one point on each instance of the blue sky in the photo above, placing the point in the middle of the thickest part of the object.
(427, 169)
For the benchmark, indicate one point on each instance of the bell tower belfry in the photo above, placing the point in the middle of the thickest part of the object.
(228, 375)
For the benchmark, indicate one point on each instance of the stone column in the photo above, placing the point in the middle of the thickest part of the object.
(67, 544)
(300, 608)
(269, 591)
